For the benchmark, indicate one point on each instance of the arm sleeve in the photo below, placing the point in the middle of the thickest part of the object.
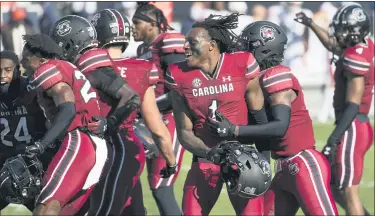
(355, 63)
(170, 80)
(172, 58)
(106, 80)
(94, 59)
(273, 129)
(46, 76)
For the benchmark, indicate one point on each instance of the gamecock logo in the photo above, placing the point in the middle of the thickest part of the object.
(267, 33)
(64, 28)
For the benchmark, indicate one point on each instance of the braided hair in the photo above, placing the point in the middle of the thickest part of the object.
(151, 10)
(41, 45)
(220, 29)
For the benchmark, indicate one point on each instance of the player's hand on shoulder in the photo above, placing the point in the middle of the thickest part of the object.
(303, 19)
(167, 171)
(221, 126)
(98, 126)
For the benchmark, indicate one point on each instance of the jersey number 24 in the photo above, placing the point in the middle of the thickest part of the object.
(21, 129)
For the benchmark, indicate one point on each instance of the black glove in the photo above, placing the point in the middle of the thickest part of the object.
(216, 155)
(33, 150)
(221, 127)
(98, 126)
(303, 19)
(329, 150)
(167, 171)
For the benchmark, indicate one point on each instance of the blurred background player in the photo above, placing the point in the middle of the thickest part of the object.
(141, 75)
(78, 38)
(288, 117)
(210, 79)
(354, 83)
(162, 48)
(21, 119)
(68, 102)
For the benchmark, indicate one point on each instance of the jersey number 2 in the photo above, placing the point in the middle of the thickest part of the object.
(22, 126)
(85, 88)
(213, 108)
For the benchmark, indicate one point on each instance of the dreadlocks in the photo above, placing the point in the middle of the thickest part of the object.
(145, 10)
(40, 45)
(219, 28)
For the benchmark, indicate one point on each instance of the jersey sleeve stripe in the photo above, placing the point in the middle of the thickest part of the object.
(154, 74)
(46, 75)
(169, 79)
(174, 43)
(252, 68)
(173, 39)
(92, 57)
(356, 61)
(269, 81)
(277, 82)
(93, 60)
(356, 65)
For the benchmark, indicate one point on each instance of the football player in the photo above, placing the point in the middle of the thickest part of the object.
(78, 38)
(354, 88)
(21, 118)
(69, 103)
(302, 174)
(113, 32)
(162, 48)
(210, 79)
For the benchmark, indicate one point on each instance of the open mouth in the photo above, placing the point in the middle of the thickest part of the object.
(187, 55)
(3, 83)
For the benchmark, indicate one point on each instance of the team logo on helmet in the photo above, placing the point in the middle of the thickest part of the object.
(265, 167)
(197, 82)
(64, 28)
(358, 14)
(94, 20)
(293, 168)
(114, 27)
(267, 33)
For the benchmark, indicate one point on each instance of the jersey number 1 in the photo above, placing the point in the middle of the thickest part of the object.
(213, 108)
(22, 125)
(85, 88)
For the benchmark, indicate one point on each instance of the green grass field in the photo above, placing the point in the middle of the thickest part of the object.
(223, 206)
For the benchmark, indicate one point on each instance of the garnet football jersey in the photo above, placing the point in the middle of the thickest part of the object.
(359, 61)
(20, 122)
(140, 75)
(300, 134)
(92, 60)
(165, 43)
(223, 91)
(55, 71)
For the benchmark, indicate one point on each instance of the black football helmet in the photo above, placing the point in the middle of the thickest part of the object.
(20, 179)
(144, 135)
(265, 40)
(111, 28)
(245, 171)
(74, 34)
(350, 25)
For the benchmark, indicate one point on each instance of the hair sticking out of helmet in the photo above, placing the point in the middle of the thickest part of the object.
(41, 45)
(220, 29)
(150, 13)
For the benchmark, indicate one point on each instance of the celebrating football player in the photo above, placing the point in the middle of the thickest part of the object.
(212, 79)
(302, 174)
(78, 38)
(141, 75)
(162, 48)
(69, 103)
(354, 84)
(21, 121)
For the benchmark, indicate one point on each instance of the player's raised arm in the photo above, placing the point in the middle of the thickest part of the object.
(328, 42)
(158, 129)
(184, 127)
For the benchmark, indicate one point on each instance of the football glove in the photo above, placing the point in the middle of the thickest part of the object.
(216, 155)
(167, 171)
(329, 150)
(34, 150)
(303, 19)
(98, 126)
(221, 127)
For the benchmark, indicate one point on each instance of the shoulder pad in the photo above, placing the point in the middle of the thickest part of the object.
(277, 79)
(252, 67)
(93, 59)
(46, 76)
(355, 62)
